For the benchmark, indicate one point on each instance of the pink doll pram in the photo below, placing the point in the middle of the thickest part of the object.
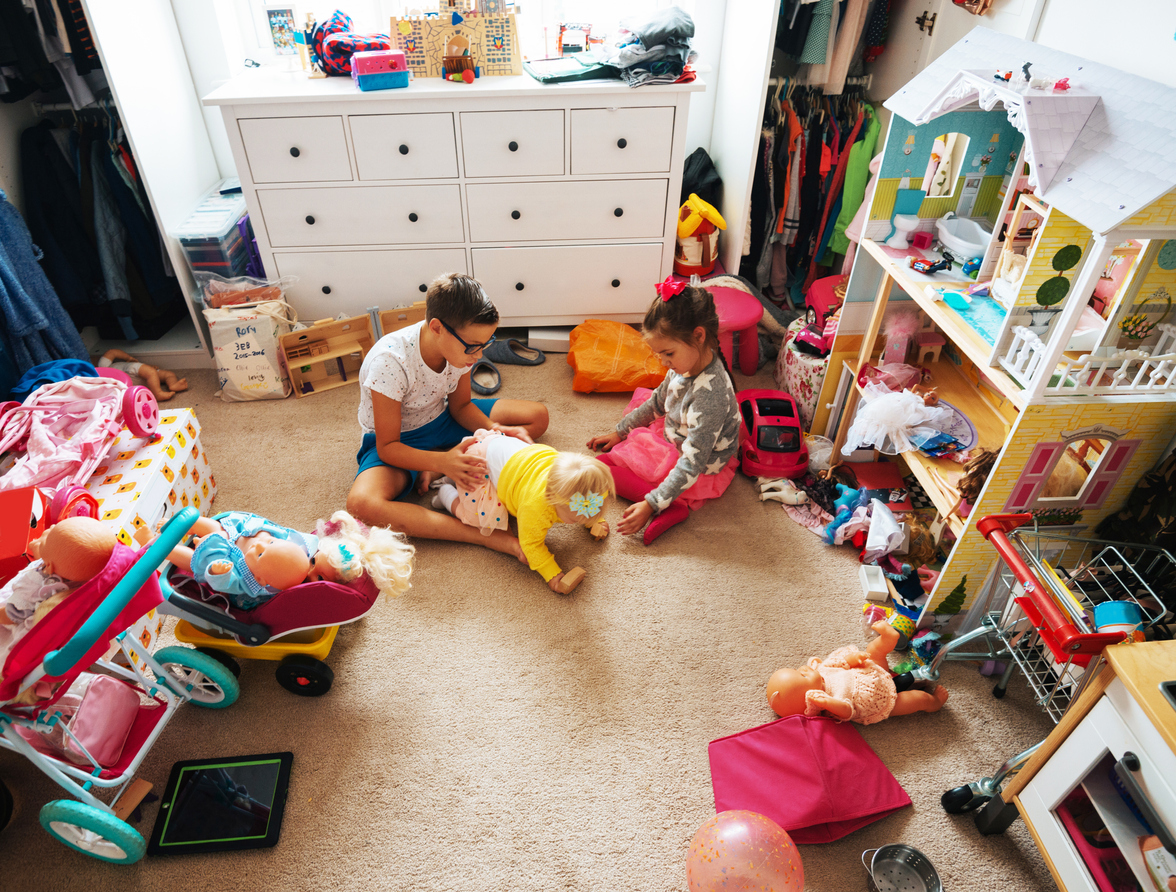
(45, 664)
(63, 431)
(295, 627)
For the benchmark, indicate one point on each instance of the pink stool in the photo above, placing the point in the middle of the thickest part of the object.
(930, 343)
(738, 311)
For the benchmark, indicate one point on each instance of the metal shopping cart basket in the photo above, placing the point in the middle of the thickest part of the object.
(1054, 583)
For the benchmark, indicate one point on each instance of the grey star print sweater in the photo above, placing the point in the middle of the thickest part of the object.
(701, 420)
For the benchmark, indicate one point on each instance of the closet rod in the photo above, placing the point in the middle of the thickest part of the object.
(865, 81)
(39, 108)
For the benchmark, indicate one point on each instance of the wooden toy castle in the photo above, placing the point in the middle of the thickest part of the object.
(483, 30)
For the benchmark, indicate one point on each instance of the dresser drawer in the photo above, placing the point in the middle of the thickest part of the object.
(361, 215)
(598, 209)
(404, 147)
(580, 281)
(513, 144)
(334, 282)
(622, 140)
(295, 150)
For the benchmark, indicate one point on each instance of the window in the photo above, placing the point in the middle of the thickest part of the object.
(945, 166)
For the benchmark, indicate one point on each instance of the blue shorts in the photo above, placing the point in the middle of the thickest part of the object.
(443, 432)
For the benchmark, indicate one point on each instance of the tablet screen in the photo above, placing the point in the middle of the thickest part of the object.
(222, 804)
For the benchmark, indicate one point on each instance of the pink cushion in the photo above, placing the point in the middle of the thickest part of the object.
(815, 777)
(932, 338)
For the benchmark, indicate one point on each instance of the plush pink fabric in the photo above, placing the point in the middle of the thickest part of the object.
(646, 451)
(815, 777)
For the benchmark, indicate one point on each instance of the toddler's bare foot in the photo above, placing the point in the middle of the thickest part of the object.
(940, 693)
(424, 479)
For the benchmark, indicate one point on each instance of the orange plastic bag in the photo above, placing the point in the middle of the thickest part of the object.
(610, 357)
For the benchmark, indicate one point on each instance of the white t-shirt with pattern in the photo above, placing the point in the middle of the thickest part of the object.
(394, 368)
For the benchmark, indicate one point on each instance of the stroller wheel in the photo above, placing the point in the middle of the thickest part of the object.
(305, 676)
(92, 831)
(140, 411)
(199, 677)
(223, 658)
(72, 501)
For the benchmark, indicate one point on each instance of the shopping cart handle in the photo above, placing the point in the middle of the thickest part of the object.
(1005, 523)
(59, 662)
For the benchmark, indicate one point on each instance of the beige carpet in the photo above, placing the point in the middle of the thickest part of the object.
(486, 735)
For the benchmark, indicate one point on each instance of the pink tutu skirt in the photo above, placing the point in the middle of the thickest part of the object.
(648, 454)
(481, 507)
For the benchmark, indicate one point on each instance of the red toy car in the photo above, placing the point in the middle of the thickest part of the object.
(771, 443)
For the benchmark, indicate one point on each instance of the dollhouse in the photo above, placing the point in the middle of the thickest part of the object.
(1067, 367)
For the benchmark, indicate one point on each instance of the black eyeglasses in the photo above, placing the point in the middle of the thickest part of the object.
(470, 349)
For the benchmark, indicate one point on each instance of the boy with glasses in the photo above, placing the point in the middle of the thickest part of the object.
(415, 405)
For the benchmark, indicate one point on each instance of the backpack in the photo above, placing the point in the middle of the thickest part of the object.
(334, 43)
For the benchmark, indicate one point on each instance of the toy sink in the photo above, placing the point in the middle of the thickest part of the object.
(964, 238)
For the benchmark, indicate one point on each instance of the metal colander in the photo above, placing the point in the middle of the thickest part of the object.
(900, 868)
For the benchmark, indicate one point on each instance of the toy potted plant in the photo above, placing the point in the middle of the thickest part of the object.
(1053, 291)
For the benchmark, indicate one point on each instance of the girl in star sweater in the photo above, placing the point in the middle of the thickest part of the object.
(677, 446)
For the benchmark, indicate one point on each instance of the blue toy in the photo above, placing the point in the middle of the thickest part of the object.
(972, 268)
(847, 502)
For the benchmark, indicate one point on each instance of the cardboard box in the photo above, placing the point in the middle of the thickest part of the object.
(141, 484)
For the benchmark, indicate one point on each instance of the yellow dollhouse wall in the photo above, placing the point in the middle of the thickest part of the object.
(1058, 231)
(1152, 424)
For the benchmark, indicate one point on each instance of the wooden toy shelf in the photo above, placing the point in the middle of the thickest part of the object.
(328, 354)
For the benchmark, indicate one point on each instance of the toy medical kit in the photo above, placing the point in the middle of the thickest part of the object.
(379, 70)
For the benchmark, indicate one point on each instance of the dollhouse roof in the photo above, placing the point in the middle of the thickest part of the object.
(1100, 152)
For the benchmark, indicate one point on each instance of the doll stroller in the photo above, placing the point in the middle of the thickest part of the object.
(62, 432)
(44, 665)
(295, 627)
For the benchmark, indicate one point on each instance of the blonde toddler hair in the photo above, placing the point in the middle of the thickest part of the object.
(353, 550)
(573, 473)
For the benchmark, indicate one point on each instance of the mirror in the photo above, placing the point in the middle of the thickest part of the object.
(945, 167)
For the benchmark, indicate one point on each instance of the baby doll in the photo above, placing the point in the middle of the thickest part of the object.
(163, 383)
(249, 559)
(246, 558)
(68, 554)
(852, 685)
(540, 487)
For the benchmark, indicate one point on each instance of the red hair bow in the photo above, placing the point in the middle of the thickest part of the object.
(669, 288)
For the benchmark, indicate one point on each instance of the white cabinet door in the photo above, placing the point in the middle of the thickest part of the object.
(404, 147)
(559, 283)
(295, 150)
(513, 143)
(334, 282)
(361, 215)
(600, 209)
(622, 140)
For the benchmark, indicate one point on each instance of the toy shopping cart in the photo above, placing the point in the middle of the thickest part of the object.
(53, 657)
(1055, 585)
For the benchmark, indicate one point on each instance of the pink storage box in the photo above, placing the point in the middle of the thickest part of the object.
(378, 62)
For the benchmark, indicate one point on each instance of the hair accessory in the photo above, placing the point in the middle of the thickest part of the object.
(586, 505)
(349, 567)
(669, 288)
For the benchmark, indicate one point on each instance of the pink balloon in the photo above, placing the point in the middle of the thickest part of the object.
(741, 851)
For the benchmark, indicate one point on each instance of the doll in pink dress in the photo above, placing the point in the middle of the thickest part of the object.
(851, 685)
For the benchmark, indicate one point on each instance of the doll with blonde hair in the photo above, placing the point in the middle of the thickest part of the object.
(540, 487)
(348, 549)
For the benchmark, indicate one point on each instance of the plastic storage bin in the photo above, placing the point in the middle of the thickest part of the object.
(211, 238)
(379, 69)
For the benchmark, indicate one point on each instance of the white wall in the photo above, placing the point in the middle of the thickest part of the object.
(15, 117)
(1136, 36)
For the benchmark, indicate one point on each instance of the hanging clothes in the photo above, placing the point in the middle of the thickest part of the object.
(856, 175)
(36, 328)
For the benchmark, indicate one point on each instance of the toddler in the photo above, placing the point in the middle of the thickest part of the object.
(540, 487)
(677, 445)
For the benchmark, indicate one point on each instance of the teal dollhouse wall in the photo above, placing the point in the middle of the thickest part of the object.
(908, 150)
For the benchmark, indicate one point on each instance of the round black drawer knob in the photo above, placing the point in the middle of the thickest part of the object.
(616, 283)
(310, 219)
(294, 153)
(618, 212)
(412, 218)
(326, 289)
(514, 215)
(622, 142)
(423, 288)
(518, 286)
(404, 150)
(513, 146)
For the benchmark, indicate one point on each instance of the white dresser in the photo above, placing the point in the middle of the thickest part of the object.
(562, 200)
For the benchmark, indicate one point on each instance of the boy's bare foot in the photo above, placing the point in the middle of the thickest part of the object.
(424, 480)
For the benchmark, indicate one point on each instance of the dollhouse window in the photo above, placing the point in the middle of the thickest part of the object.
(945, 166)
(1076, 473)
